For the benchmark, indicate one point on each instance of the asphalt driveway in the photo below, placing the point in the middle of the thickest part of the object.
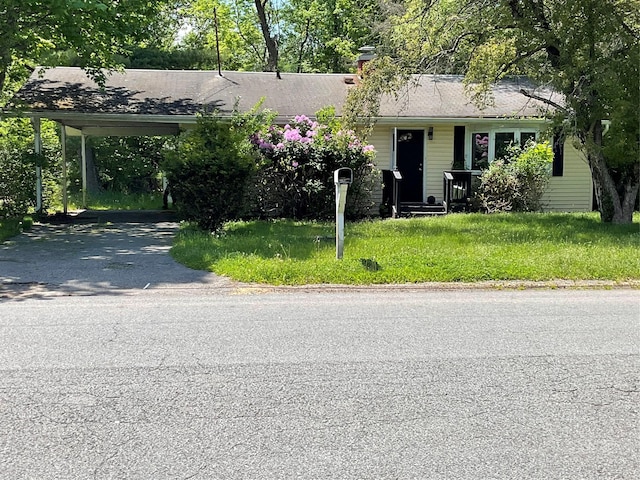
(98, 252)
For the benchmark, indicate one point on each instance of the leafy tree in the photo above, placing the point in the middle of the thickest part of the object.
(129, 165)
(589, 51)
(239, 38)
(324, 35)
(96, 30)
(284, 35)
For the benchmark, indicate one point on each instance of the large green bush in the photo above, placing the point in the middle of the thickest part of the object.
(208, 170)
(518, 182)
(18, 166)
(296, 175)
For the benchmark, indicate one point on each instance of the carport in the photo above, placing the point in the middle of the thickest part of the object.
(159, 102)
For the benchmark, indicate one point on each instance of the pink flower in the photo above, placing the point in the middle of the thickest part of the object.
(294, 164)
(368, 148)
(292, 135)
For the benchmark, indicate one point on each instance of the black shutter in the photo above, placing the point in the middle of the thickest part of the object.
(458, 147)
(558, 154)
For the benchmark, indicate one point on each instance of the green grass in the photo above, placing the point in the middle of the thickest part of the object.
(453, 248)
(13, 226)
(115, 201)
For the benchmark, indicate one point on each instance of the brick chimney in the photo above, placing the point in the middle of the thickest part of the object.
(367, 53)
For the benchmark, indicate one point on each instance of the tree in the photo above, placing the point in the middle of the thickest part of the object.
(589, 51)
(96, 30)
(324, 35)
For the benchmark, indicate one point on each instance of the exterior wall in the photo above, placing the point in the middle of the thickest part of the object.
(382, 139)
(439, 158)
(438, 153)
(573, 192)
(570, 193)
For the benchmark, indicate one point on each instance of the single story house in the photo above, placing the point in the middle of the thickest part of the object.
(431, 128)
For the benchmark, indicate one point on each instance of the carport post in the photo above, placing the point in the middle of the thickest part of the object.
(37, 146)
(63, 144)
(84, 171)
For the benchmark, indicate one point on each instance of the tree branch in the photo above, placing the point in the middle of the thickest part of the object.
(543, 100)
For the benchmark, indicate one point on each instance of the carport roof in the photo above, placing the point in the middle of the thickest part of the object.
(137, 102)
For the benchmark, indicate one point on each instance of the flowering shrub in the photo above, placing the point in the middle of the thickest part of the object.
(298, 160)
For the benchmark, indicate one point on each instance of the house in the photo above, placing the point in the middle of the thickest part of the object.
(430, 128)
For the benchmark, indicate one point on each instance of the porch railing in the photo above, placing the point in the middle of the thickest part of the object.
(457, 190)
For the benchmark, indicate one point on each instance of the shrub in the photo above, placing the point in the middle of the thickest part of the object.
(298, 160)
(517, 182)
(18, 166)
(208, 171)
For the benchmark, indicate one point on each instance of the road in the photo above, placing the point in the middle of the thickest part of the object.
(312, 384)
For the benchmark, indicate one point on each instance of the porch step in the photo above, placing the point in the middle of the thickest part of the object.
(420, 209)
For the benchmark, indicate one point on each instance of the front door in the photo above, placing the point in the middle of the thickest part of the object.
(410, 163)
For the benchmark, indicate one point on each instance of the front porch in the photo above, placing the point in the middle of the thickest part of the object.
(457, 187)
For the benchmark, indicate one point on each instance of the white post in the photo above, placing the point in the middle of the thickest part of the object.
(65, 181)
(341, 195)
(37, 136)
(342, 178)
(84, 170)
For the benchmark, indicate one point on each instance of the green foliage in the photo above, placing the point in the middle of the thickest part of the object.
(13, 226)
(296, 176)
(451, 248)
(18, 162)
(96, 30)
(17, 183)
(312, 35)
(129, 164)
(518, 182)
(208, 172)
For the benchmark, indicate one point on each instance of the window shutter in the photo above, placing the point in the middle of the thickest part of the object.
(558, 154)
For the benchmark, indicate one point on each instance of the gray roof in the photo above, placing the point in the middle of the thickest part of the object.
(444, 96)
(66, 92)
(179, 92)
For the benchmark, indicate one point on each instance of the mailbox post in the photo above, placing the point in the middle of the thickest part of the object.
(342, 177)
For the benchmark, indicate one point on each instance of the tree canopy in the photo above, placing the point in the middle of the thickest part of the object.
(95, 30)
(588, 51)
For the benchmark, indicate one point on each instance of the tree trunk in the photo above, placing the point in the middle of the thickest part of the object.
(613, 207)
(5, 62)
(270, 42)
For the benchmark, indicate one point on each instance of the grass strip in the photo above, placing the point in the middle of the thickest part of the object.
(11, 227)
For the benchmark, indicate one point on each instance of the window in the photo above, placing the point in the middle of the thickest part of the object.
(486, 146)
(480, 152)
(503, 140)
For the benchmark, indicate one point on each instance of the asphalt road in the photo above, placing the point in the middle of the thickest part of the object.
(365, 384)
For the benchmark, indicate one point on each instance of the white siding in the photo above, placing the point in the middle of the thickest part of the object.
(439, 159)
(573, 192)
(382, 139)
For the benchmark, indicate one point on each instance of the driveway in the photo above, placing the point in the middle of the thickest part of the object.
(98, 252)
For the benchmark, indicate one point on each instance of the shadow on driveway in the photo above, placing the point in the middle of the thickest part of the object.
(97, 252)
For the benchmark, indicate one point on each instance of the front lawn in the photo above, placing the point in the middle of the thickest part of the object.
(452, 248)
